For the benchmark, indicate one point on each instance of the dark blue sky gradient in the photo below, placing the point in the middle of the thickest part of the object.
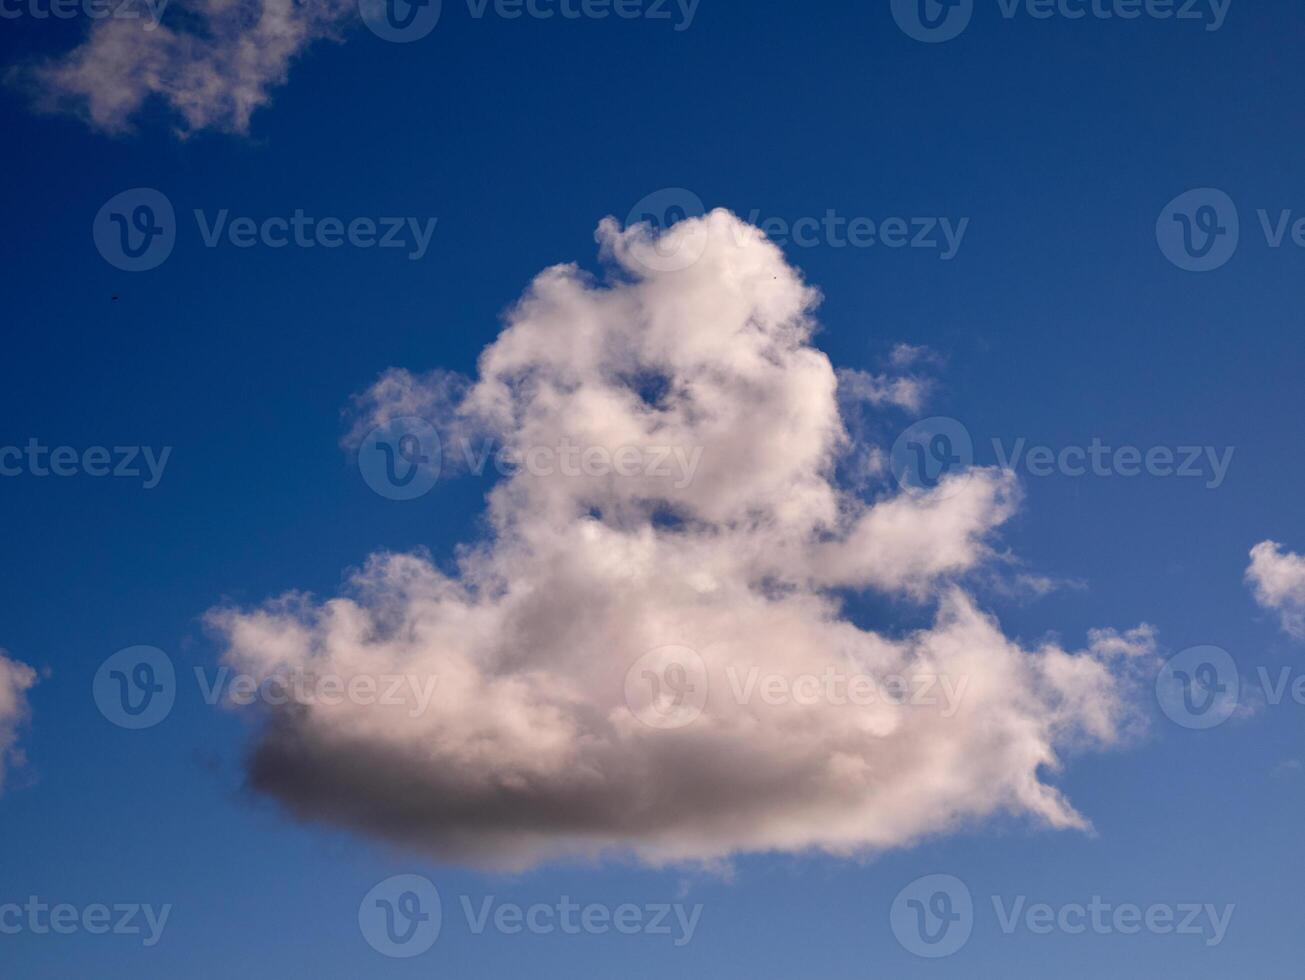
(1060, 320)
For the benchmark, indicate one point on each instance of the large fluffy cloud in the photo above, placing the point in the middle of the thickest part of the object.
(1277, 580)
(15, 680)
(534, 746)
(212, 61)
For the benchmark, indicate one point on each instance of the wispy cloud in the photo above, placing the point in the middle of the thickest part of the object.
(15, 680)
(905, 356)
(213, 62)
(883, 390)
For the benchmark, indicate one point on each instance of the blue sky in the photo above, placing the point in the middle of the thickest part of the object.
(1058, 320)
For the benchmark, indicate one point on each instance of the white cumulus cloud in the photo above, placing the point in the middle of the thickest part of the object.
(530, 750)
(1277, 580)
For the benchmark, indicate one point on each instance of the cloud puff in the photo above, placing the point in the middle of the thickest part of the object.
(213, 63)
(1277, 579)
(534, 747)
(15, 680)
(879, 390)
(908, 355)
